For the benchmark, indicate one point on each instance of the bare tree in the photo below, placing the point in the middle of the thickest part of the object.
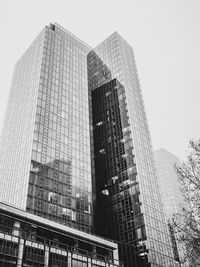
(186, 223)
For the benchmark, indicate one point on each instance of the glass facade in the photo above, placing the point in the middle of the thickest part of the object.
(169, 185)
(60, 176)
(170, 191)
(46, 139)
(76, 139)
(149, 229)
(17, 133)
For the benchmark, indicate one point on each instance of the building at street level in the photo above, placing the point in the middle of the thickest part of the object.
(76, 148)
(27, 241)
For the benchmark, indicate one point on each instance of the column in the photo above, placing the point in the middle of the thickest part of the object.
(46, 256)
(69, 259)
(20, 252)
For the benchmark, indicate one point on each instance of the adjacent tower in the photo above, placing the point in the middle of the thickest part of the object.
(170, 190)
(141, 221)
(168, 178)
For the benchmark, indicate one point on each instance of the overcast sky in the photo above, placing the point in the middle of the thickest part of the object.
(165, 36)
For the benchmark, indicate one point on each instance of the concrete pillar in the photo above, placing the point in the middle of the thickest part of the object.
(20, 252)
(46, 256)
(69, 259)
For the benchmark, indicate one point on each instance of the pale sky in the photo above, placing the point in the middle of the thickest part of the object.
(165, 36)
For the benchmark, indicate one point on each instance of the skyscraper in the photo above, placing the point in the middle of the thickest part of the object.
(131, 183)
(170, 190)
(46, 140)
(169, 185)
(76, 147)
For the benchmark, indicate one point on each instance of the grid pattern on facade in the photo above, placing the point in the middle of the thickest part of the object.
(169, 185)
(17, 133)
(170, 191)
(60, 172)
(117, 54)
(118, 196)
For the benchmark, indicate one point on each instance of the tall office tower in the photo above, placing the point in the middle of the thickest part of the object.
(45, 149)
(170, 190)
(129, 185)
(76, 147)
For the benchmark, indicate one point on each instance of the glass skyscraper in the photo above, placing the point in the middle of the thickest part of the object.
(76, 148)
(168, 178)
(143, 222)
(46, 165)
(170, 191)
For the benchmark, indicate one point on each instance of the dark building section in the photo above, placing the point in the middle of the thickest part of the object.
(29, 241)
(110, 158)
(118, 204)
(117, 189)
(98, 74)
